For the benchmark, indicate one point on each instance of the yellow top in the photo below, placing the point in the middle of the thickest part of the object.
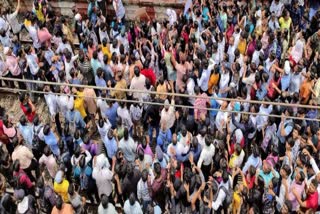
(79, 104)
(242, 46)
(62, 189)
(285, 24)
(39, 14)
(236, 202)
(105, 50)
(27, 23)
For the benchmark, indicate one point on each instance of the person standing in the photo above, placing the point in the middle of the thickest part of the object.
(120, 10)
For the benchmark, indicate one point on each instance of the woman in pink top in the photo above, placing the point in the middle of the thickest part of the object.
(12, 63)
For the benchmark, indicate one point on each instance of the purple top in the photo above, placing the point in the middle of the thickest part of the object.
(91, 147)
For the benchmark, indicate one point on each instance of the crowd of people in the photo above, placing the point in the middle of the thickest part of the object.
(109, 147)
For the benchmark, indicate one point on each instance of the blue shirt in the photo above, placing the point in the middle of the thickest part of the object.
(111, 113)
(268, 177)
(77, 118)
(285, 82)
(213, 104)
(288, 127)
(52, 142)
(164, 139)
(111, 146)
(252, 161)
(262, 91)
(100, 82)
(95, 64)
(27, 133)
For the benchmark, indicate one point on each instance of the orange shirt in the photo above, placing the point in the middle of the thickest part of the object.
(66, 209)
(305, 91)
(214, 80)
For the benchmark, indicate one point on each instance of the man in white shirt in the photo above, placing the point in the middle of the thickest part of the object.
(276, 7)
(51, 100)
(231, 49)
(102, 104)
(33, 33)
(204, 79)
(168, 114)
(206, 156)
(138, 82)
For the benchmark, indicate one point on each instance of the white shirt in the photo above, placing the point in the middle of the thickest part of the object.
(51, 100)
(190, 90)
(220, 198)
(224, 80)
(102, 175)
(103, 106)
(201, 140)
(62, 102)
(276, 8)
(135, 209)
(168, 117)
(204, 80)
(262, 120)
(138, 83)
(230, 52)
(206, 155)
(255, 57)
(32, 63)
(34, 36)
(124, 114)
(221, 118)
(68, 66)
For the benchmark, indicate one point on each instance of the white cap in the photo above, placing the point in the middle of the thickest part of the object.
(6, 50)
(287, 67)
(77, 17)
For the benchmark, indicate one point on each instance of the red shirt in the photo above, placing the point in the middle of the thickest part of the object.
(24, 180)
(312, 201)
(148, 73)
(29, 114)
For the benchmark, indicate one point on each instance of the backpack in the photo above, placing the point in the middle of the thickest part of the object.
(229, 196)
(48, 201)
(85, 177)
(72, 125)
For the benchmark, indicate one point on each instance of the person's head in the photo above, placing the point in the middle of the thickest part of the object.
(104, 201)
(285, 171)
(183, 130)
(312, 188)
(286, 207)
(132, 199)
(46, 129)
(174, 139)
(136, 71)
(59, 202)
(208, 140)
(300, 176)
(225, 176)
(266, 166)
(157, 169)
(23, 120)
(144, 175)
(126, 133)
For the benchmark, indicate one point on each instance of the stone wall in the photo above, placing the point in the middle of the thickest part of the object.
(154, 8)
